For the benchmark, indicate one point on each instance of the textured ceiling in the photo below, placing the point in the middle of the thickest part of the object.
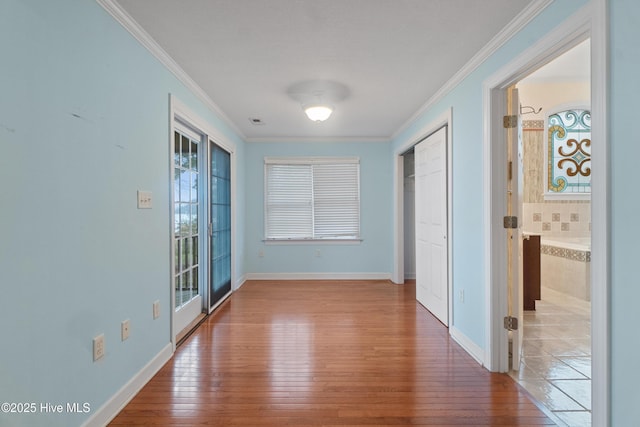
(392, 56)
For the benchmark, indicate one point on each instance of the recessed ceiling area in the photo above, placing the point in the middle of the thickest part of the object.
(391, 55)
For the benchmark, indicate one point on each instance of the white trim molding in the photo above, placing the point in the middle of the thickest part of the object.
(182, 112)
(600, 219)
(318, 276)
(589, 21)
(318, 139)
(238, 283)
(468, 345)
(130, 24)
(118, 401)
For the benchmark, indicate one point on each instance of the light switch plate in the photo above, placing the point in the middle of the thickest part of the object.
(125, 327)
(98, 347)
(156, 309)
(145, 200)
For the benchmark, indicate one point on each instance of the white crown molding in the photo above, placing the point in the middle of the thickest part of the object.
(516, 24)
(329, 139)
(130, 24)
(519, 22)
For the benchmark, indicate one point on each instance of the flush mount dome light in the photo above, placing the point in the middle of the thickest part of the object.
(317, 97)
(318, 113)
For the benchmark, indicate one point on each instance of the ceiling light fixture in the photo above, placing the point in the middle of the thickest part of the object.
(317, 97)
(317, 112)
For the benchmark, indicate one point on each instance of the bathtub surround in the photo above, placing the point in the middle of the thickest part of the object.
(566, 267)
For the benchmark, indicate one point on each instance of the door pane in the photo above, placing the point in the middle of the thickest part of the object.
(186, 205)
(220, 224)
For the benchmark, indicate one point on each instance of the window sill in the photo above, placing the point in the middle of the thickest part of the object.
(550, 197)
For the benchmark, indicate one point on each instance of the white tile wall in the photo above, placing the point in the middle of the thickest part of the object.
(557, 219)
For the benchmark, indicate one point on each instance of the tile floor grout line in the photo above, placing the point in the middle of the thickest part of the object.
(557, 337)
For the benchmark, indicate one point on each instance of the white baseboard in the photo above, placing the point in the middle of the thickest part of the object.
(469, 346)
(318, 276)
(240, 282)
(118, 401)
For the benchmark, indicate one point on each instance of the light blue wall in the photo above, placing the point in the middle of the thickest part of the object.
(77, 257)
(625, 204)
(467, 157)
(84, 124)
(373, 255)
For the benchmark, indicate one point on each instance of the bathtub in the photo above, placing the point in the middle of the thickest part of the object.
(566, 265)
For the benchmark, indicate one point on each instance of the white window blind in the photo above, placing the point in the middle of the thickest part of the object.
(312, 198)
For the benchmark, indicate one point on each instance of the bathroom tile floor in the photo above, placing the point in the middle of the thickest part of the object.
(555, 367)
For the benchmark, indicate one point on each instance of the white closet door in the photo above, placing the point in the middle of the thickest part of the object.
(431, 225)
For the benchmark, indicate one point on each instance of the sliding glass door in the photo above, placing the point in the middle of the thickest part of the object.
(200, 171)
(187, 199)
(219, 226)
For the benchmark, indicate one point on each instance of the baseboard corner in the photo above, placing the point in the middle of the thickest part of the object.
(467, 345)
(121, 398)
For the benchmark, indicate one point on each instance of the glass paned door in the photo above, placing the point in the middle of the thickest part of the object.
(186, 230)
(220, 225)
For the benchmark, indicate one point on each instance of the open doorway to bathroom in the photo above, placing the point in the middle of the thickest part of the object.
(555, 118)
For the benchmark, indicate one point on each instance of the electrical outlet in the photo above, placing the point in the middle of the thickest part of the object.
(98, 347)
(124, 329)
(318, 253)
(261, 253)
(145, 200)
(461, 295)
(156, 309)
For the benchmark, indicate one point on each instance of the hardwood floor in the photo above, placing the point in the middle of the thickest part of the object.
(315, 353)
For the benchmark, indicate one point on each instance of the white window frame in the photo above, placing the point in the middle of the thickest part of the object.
(310, 161)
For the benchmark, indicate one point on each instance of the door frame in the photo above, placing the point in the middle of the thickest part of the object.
(444, 119)
(178, 111)
(590, 21)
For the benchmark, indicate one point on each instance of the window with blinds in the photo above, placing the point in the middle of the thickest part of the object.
(312, 198)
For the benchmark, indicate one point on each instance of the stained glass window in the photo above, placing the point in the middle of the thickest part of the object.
(569, 153)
